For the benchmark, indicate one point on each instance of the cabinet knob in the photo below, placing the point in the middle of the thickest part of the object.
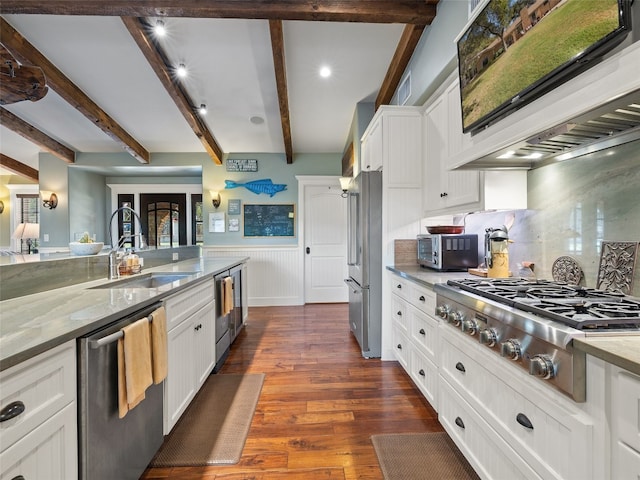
(399, 346)
(422, 332)
(460, 367)
(12, 410)
(422, 299)
(523, 420)
(399, 286)
(459, 422)
(421, 372)
(399, 313)
(443, 194)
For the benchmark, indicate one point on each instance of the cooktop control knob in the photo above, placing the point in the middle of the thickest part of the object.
(442, 311)
(456, 318)
(511, 349)
(470, 327)
(489, 337)
(542, 366)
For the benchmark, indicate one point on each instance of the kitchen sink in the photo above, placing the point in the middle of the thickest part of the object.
(149, 280)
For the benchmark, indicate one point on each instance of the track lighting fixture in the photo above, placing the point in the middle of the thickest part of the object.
(202, 110)
(159, 29)
(181, 71)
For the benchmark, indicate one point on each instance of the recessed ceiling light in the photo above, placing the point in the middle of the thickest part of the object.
(181, 71)
(203, 109)
(325, 72)
(256, 120)
(159, 29)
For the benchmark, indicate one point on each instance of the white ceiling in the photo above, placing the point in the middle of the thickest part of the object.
(231, 70)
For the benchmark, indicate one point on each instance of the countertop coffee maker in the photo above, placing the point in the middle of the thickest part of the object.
(496, 252)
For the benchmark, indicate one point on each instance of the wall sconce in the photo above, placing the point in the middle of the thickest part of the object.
(49, 199)
(1, 206)
(215, 198)
(344, 185)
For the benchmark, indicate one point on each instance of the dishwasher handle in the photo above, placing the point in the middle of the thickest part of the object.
(95, 340)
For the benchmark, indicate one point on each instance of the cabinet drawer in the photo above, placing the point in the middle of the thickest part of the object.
(182, 305)
(400, 286)
(424, 333)
(399, 311)
(487, 453)
(425, 375)
(422, 298)
(45, 384)
(625, 395)
(550, 438)
(625, 463)
(401, 347)
(48, 452)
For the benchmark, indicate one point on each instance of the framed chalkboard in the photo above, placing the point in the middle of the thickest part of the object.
(269, 220)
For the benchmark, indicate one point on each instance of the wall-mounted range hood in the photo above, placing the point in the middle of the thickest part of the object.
(615, 123)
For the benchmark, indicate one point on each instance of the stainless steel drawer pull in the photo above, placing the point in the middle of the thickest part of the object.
(12, 411)
(460, 367)
(459, 422)
(111, 338)
(522, 419)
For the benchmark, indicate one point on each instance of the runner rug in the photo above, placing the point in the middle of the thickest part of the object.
(421, 456)
(214, 428)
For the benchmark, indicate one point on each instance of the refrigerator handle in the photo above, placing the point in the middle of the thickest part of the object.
(353, 230)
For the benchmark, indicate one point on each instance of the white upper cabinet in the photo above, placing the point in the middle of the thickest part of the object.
(393, 142)
(456, 191)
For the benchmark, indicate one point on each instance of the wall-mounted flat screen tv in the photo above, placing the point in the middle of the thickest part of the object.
(514, 51)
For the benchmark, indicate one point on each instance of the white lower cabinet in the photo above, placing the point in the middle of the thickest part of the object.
(624, 418)
(415, 334)
(191, 349)
(40, 441)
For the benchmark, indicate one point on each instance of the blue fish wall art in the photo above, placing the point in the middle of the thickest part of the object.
(258, 186)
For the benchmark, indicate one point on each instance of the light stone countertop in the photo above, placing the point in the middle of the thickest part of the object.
(35, 323)
(621, 350)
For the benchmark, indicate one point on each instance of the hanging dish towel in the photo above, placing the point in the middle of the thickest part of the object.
(134, 365)
(159, 345)
(227, 287)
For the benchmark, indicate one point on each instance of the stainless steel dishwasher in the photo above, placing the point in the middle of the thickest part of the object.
(111, 447)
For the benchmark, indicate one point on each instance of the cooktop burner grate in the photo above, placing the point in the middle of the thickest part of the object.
(578, 307)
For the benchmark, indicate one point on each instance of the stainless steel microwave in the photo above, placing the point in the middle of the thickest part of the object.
(448, 252)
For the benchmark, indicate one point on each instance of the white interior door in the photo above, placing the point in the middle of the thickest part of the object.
(325, 248)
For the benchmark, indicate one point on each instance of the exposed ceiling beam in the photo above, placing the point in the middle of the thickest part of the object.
(407, 44)
(27, 54)
(420, 12)
(18, 168)
(277, 46)
(162, 67)
(31, 133)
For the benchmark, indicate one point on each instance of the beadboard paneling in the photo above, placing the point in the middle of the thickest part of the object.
(274, 273)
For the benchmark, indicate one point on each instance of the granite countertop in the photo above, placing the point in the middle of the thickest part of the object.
(35, 323)
(426, 276)
(621, 350)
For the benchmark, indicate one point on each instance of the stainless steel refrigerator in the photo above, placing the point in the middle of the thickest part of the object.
(364, 258)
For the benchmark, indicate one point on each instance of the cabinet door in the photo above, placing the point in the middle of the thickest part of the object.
(49, 451)
(435, 145)
(402, 154)
(372, 148)
(204, 342)
(180, 384)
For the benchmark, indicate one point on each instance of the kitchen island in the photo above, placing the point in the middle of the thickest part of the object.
(35, 323)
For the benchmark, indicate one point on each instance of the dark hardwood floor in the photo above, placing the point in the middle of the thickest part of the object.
(320, 402)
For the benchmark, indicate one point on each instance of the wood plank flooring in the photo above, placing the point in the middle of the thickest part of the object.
(320, 403)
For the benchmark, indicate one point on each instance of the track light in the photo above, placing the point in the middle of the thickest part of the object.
(202, 110)
(181, 71)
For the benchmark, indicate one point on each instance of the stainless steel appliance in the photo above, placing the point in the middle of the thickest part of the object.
(364, 257)
(533, 323)
(223, 335)
(235, 320)
(448, 252)
(112, 447)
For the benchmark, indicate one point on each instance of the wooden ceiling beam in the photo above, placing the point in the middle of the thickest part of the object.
(407, 44)
(18, 168)
(277, 46)
(31, 133)
(419, 12)
(160, 64)
(27, 54)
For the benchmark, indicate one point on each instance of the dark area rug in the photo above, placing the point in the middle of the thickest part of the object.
(214, 428)
(421, 456)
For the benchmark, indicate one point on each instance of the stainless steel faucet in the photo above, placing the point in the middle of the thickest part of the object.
(114, 271)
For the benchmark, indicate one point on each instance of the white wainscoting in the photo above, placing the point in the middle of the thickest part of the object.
(275, 273)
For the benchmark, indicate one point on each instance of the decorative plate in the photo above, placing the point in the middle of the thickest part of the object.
(566, 269)
(617, 264)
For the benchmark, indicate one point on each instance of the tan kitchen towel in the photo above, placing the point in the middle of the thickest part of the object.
(134, 354)
(159, 345)
(227, 302)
